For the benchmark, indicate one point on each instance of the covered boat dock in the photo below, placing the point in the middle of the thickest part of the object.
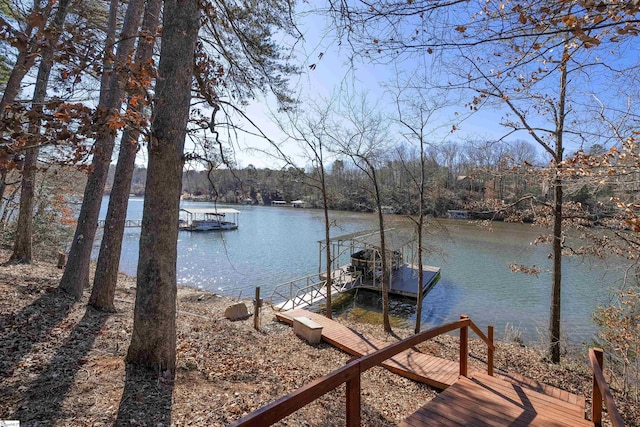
(361, 253)
(208, 219)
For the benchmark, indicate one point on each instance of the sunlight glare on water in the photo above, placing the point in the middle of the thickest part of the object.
(274, 245)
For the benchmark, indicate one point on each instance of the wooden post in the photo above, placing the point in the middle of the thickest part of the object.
(256, 310)
(62, 260)
(490, 351)
(464, 347)
(596, 403)
(353, 401)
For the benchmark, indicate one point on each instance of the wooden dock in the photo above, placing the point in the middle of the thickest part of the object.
(404, 281)
(127, 223)
(434, 371)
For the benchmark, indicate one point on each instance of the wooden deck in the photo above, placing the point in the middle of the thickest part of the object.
(480, 400)
(434, 371)
(489, 401)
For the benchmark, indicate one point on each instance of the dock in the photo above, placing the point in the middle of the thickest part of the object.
(404, 281)
(434, 371)
(127, 223)
(309, 290)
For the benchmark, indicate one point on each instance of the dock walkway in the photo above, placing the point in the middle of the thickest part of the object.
(434, 371)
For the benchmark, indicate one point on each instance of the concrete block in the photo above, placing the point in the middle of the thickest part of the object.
(307, 329)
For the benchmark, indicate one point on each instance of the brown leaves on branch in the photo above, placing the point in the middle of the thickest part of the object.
(531, 270)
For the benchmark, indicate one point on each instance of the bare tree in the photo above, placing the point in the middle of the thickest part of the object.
(362, 136)
(310, 130)
(416, 107)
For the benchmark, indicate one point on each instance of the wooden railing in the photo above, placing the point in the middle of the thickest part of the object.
(307, 290)
(601, 392)
(350, 374)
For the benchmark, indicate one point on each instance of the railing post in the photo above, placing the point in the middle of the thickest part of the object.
(490, 350)
(464, 346)
(353, 400)
(596, 403)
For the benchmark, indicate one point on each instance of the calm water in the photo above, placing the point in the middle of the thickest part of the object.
(274, 245)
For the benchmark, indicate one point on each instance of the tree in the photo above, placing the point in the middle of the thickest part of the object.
(311, 134)
(106, 276)
(513, 53)
(22, 246)
(232, 61)
(153, 341)
(415, 110)
(362, 138)
(25, 36)
(76, 273)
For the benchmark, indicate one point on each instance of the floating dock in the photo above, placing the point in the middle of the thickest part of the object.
(404, 281)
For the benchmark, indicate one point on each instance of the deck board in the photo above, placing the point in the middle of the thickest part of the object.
(480, 400)
(490, 401)
(543, 388)
(434, 371)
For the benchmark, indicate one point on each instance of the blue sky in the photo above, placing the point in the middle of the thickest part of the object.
(333, 74)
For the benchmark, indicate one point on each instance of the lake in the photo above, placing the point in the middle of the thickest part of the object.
(275, 244)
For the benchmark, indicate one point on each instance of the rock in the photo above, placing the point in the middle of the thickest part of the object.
(236, 311)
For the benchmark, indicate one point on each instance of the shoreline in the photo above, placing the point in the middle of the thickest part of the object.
(65, 363)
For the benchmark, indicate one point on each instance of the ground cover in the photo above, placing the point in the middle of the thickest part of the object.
(62, 363)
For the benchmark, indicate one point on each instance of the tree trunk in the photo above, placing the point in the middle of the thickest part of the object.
(76, 274)
(109, 47)
(153, 341)
(22, 249)
(386, 273)
(327, 238)
(420, 230)
(26, 56)
(556, 286)
(554, 323)
(22, 245)
(106, 276)
(23, 64)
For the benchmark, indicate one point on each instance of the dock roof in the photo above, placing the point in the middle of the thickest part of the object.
(394, 238)
(203, 211)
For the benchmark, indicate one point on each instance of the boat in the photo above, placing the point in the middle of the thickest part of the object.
(208, 219)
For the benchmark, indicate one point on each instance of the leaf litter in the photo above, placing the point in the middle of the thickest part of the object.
(62, 364)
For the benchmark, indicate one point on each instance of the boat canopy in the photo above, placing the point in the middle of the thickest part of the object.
(210, 211)
(395, 239)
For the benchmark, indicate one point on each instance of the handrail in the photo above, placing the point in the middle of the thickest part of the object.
(350, 374)
(297, 292)
(488, 341)
(601, 390)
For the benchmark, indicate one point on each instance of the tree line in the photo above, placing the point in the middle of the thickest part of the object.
(460, 176)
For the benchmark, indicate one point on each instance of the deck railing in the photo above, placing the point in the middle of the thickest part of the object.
(601, 392)
(351, 372)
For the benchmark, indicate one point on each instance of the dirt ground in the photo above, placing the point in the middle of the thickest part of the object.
(62, 363)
